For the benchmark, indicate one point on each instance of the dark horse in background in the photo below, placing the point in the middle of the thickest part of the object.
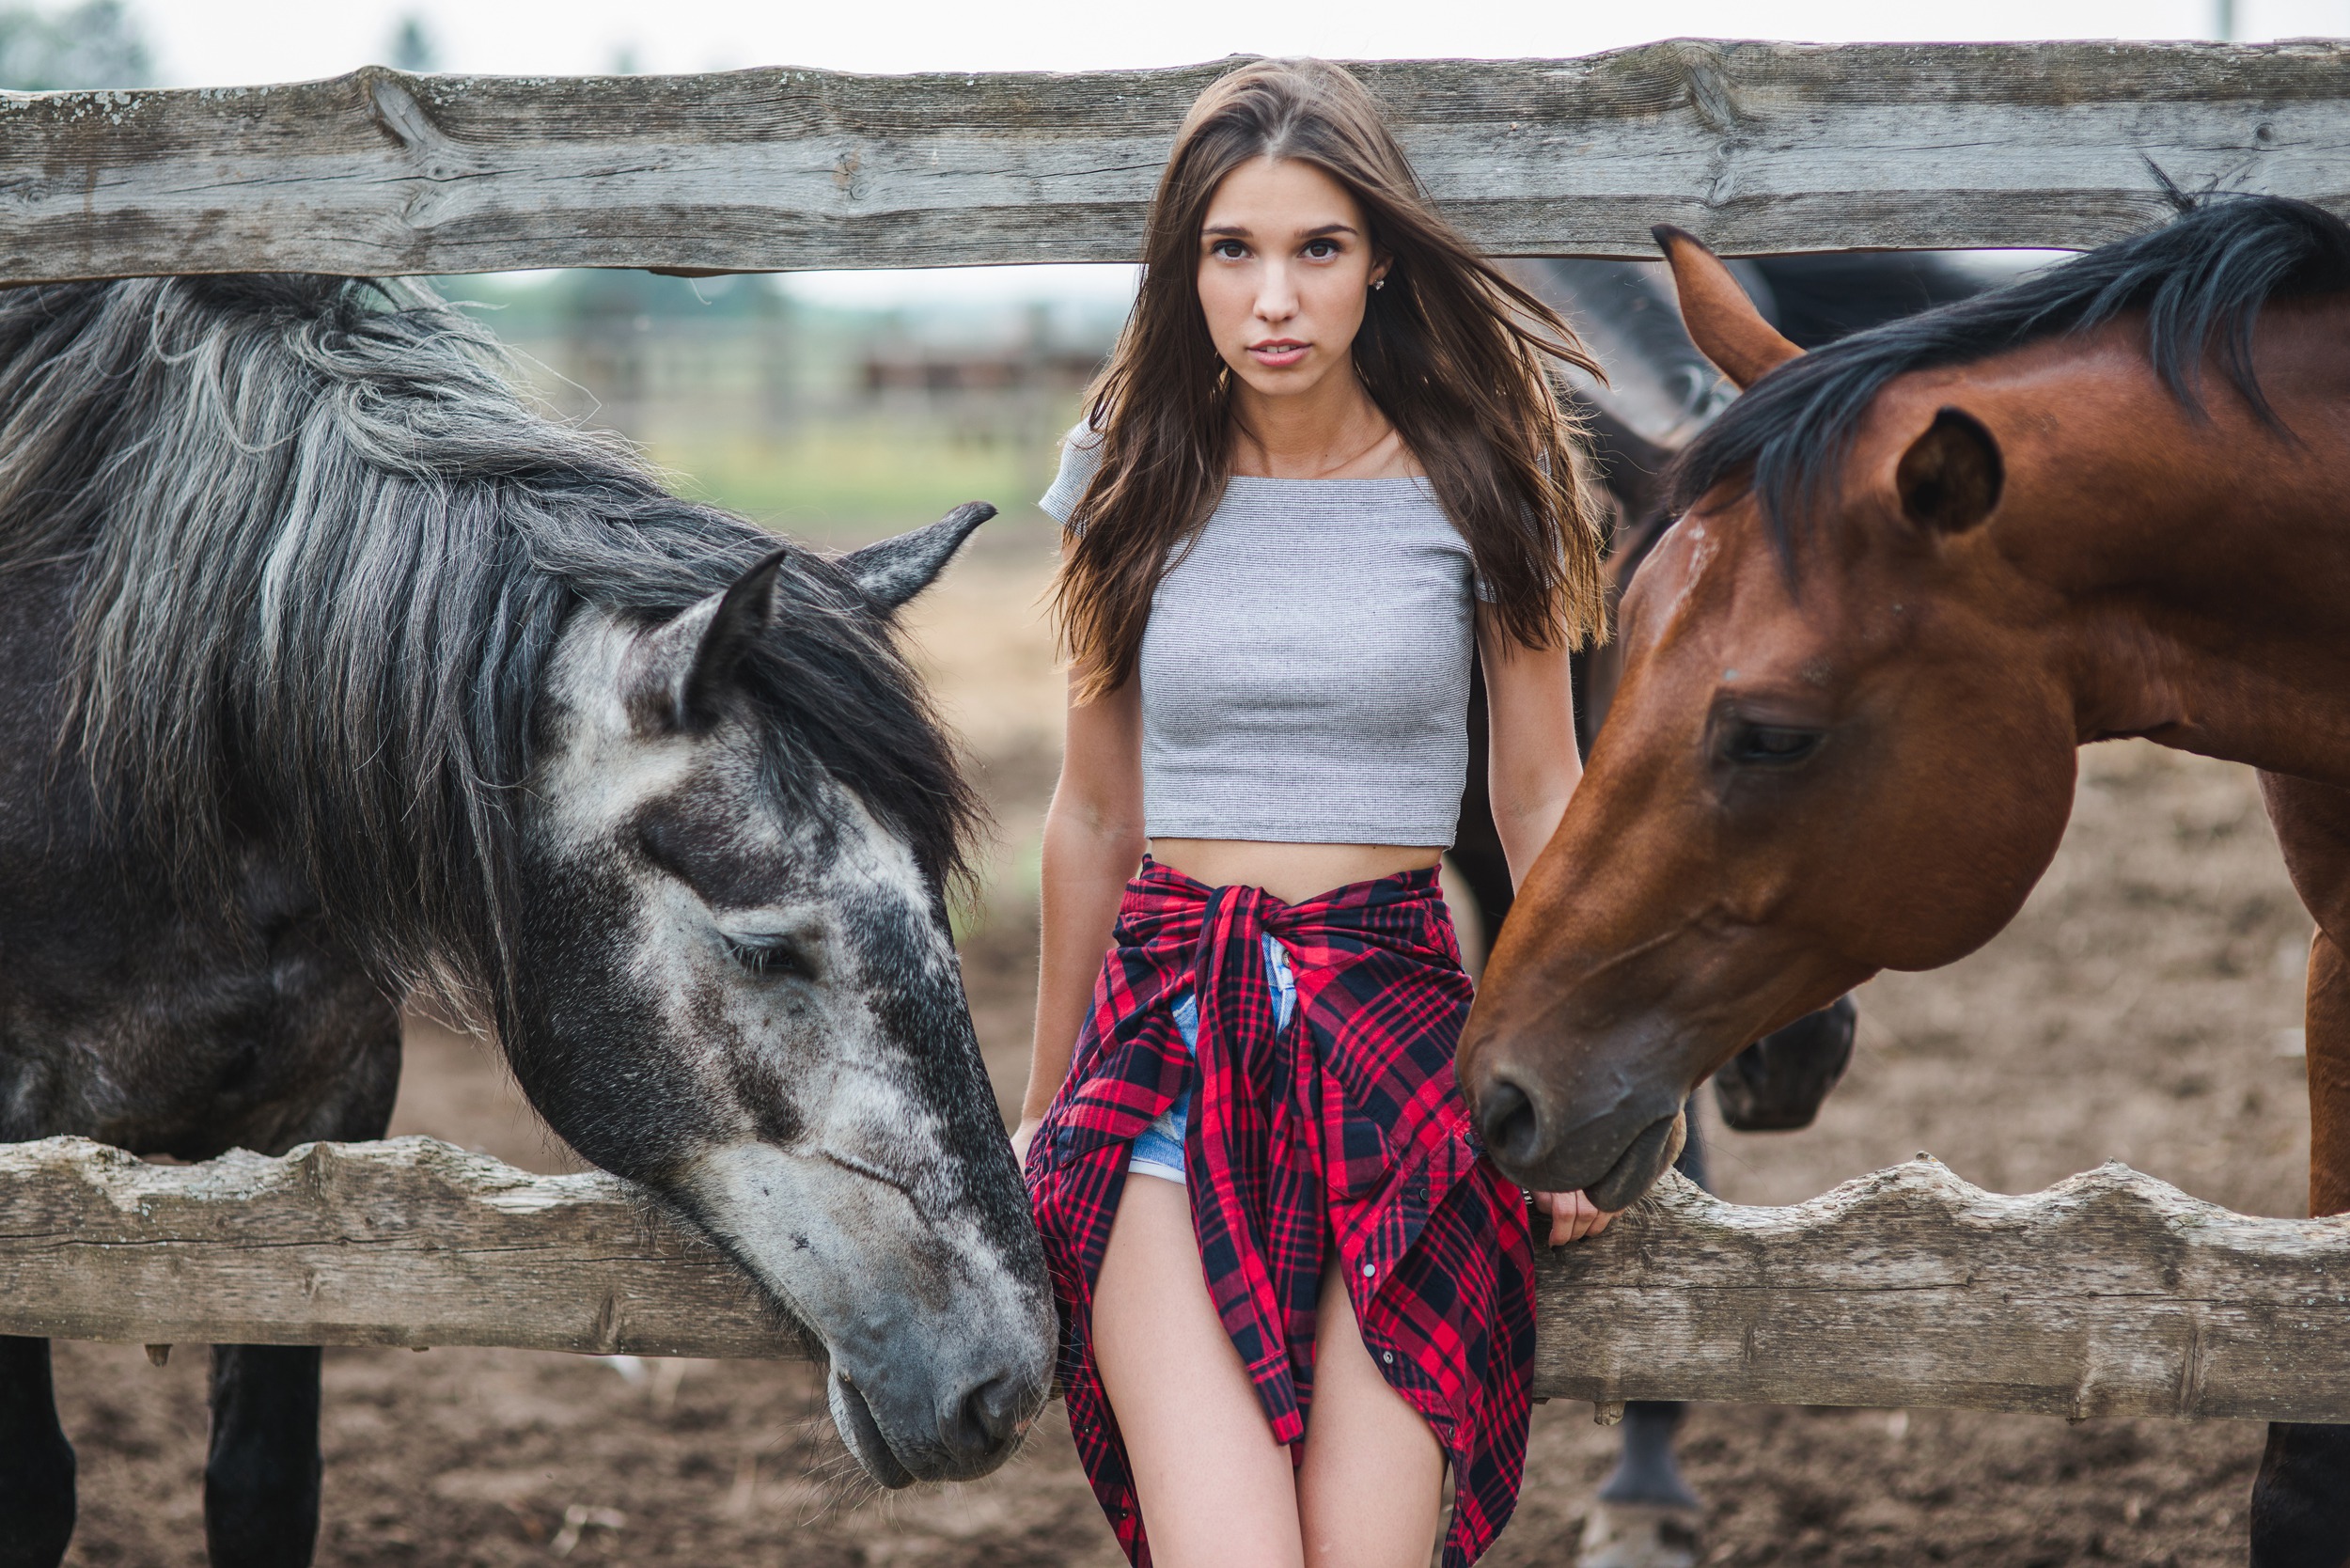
(1660, 392)
(1919, 568)
(329, 671)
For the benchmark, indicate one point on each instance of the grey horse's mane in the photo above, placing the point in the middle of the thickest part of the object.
(321, 551)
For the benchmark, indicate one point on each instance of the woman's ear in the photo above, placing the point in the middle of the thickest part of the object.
(1381, 264)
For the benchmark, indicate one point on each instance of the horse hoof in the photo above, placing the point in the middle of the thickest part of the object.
(1639, 1535)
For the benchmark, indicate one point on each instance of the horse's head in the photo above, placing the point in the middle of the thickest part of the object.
(736, 984)
(1835, 750)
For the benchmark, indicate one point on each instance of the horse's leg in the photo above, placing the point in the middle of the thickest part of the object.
(1778, 1083)
(2301, 1498)
(1647, 1516)
(262, 1481)
(36, 1476)
(263, 1476)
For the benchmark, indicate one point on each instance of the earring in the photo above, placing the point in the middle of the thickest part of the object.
(1380, 283)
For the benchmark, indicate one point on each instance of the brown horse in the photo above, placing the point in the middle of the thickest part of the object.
(1918, 569)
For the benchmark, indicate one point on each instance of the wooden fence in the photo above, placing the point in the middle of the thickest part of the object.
(2110, 1294)
(1752, 147)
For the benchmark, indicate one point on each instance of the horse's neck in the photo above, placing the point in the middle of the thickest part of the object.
(2210, 564)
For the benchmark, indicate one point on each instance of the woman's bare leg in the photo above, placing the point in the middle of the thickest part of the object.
(1216, 1490)
(1371, 1486)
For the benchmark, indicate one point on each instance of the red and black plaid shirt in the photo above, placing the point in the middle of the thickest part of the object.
(1344, 1132)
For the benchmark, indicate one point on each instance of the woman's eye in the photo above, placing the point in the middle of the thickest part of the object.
(1320, 250)
(1769, 745)
(778, 956)
(1231, 250)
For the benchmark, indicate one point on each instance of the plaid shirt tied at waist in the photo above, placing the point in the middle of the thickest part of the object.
(1343, 1133)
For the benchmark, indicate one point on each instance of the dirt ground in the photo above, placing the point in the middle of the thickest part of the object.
(2143, 1006)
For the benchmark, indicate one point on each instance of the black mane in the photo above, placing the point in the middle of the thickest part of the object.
(321, 553)
(2202, 280)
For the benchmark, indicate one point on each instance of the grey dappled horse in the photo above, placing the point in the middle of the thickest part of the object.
(330, 670)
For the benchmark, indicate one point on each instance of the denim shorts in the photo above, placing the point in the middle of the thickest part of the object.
(1159, 1147)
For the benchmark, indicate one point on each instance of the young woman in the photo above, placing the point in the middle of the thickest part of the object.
(1324, 459)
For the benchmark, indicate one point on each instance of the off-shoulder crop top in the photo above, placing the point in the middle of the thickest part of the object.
(1306, 669)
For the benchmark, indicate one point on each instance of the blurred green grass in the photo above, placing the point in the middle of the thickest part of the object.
(844, 484)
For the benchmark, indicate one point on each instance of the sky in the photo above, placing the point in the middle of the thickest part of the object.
(235, 42)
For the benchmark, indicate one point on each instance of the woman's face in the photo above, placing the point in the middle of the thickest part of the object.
(1285, 267)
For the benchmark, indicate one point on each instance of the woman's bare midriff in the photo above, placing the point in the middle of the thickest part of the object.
(1290, 872)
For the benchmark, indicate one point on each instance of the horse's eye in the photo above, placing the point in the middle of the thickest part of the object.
(780, 956)
(1768, 744)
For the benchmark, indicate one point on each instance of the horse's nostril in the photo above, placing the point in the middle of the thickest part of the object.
(1506, 1119)
(989, 1418)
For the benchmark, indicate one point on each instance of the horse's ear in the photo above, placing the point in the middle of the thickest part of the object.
(679, 672)
(897, 568)
(1951, 477)
(1722, 322)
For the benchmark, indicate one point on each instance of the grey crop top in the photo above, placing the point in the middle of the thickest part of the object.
(1306, 670)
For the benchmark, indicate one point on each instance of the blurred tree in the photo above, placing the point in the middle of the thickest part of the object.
(412, 45)
(96, 44)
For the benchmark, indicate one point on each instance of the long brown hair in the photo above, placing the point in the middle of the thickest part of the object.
(1453, 352)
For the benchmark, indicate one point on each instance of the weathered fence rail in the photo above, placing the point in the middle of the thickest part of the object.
(1753, 147)
(409, 1242)
(2110, 1293)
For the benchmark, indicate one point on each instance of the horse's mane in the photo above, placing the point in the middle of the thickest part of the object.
(321, 553)
(2202, 280)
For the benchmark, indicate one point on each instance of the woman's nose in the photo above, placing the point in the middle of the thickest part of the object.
(1277, 300)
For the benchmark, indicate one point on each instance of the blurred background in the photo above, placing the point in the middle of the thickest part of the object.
(2143, 1006)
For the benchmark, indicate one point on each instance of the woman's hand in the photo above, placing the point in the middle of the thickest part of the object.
(1573, 1216)
(1021, 1137)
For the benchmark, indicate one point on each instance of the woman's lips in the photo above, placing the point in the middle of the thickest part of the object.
(1278, 353)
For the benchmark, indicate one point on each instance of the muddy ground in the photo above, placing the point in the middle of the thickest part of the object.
(2141, 1008)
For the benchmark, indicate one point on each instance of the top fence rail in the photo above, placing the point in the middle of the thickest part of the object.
(1756, 147)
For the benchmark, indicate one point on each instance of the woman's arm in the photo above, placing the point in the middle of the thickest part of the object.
(1094, 842)
(1531, 772)
(1532, 767)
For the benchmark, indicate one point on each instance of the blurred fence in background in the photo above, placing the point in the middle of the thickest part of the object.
(831, 420)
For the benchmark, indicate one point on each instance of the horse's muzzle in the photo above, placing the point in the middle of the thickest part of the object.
(956, 1429)
(1638, 1168)
(1614, 1157)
